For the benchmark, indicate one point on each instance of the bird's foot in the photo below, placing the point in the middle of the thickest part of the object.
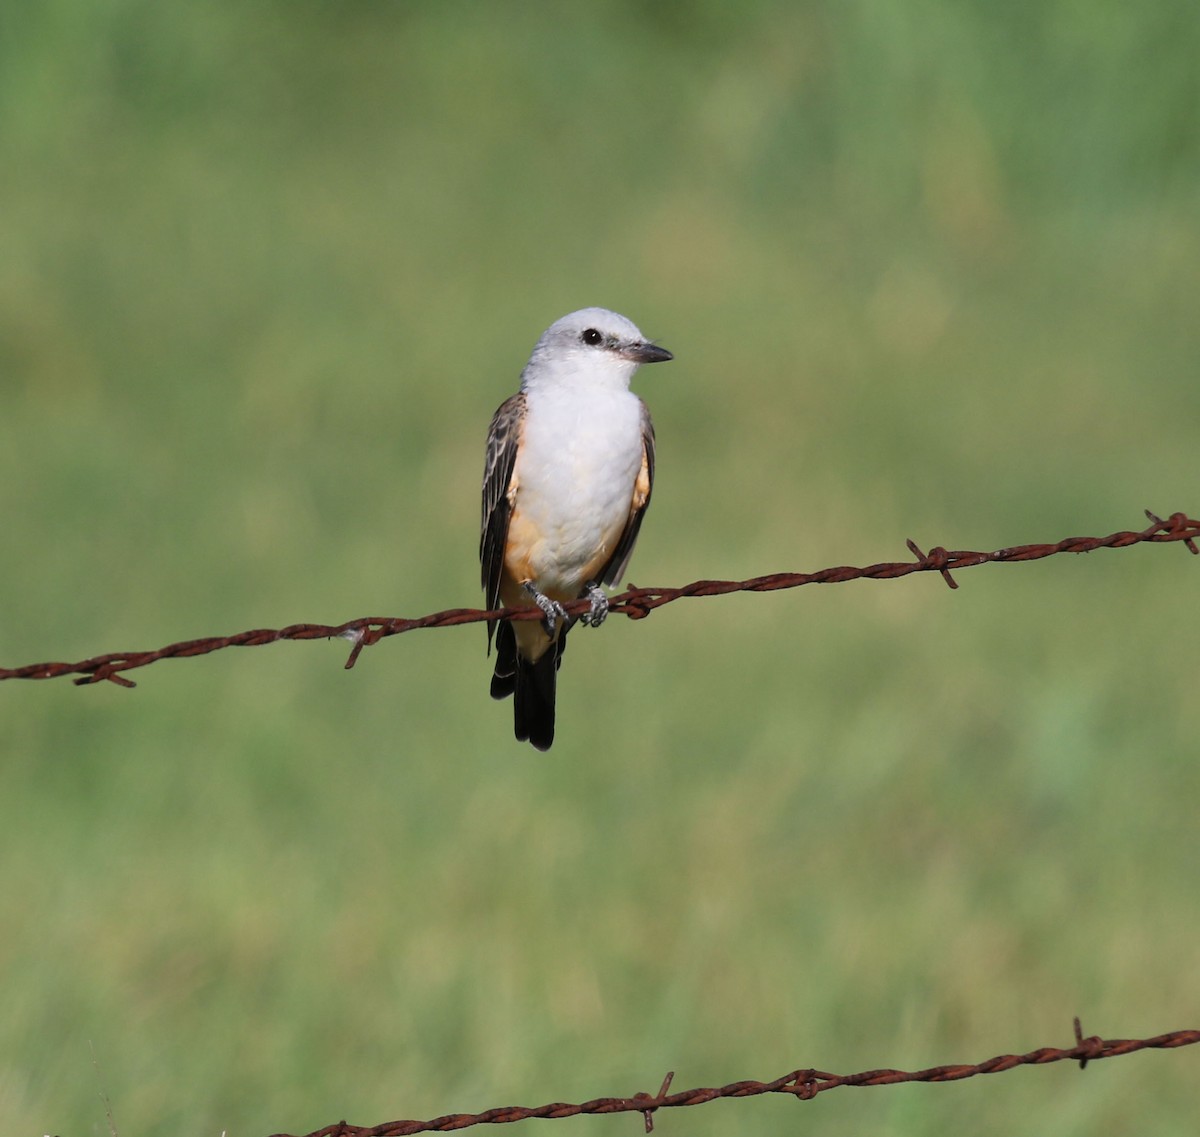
(595, 615)
(551, 609)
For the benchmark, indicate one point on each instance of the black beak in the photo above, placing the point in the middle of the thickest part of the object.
(645, 353)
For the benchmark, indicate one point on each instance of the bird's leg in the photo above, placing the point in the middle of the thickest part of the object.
(551, 609)
(594, 617)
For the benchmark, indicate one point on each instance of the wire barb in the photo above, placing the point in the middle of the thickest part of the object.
(1177, 524)
(936, 559)
(1087, 1048)
(636, 603)
(649, 1104)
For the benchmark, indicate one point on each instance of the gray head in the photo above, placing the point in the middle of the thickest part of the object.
(593, 346)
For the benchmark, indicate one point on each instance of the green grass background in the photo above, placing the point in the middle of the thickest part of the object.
(929, 270)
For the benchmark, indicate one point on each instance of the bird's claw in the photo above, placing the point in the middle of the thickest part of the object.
(551, 609)
(595, 615)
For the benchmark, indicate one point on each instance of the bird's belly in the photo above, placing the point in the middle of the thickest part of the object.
(561, 551)
(574, 493)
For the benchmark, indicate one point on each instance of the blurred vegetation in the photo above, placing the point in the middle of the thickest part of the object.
(929, 270)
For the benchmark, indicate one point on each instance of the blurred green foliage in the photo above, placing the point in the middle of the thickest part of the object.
(929, 270)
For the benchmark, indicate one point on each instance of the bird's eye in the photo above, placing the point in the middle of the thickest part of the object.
(591, 337)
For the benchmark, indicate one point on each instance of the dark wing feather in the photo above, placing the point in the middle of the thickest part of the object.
(503, 436)
(617, 563)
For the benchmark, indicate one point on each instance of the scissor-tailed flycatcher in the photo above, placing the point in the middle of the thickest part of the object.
(570, 464)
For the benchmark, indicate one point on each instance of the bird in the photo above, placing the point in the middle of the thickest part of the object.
(567, 479)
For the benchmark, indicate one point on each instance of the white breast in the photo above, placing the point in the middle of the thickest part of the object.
(580, 456)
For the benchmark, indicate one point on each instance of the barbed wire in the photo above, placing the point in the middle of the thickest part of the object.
(635, 603)
(804, 1085)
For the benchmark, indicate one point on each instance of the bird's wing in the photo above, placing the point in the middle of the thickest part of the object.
(615, 569)
(498, 488)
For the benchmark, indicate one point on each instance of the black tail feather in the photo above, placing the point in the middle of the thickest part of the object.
(533, 701)
(504, 678)
(532, 685)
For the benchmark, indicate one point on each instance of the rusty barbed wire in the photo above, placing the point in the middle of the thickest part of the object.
(804, 1085)
(635, 603)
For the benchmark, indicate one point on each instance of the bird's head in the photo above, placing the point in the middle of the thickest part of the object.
(593, 346)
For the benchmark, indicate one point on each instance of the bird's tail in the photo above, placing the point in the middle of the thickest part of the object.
(531, 683)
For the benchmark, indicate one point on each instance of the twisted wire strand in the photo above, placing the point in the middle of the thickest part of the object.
(636, 603)
(802, 1084)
